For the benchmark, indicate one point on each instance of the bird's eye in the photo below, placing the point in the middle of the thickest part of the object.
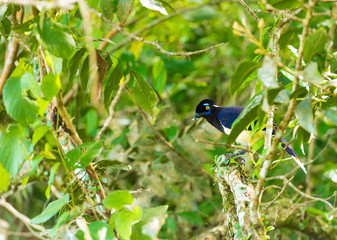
(207, 107)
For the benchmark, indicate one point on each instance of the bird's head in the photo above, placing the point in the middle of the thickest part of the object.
(204, 108)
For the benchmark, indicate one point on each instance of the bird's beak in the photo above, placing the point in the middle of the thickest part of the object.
(196, 116)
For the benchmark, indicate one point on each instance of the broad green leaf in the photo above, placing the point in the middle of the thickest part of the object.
(74, 63)
(143, 93)
(191, 217)
(55, 38)
(154, 5)
(123, 9)
(314, 44)
(244, 69)
(126, 219)
(91, 122)
(248, 114)
(267, 73)
(72, 157)
(98, 226)
(51, 178)
(39, 132)
(51, 85)
(5, 26)
(311, 73)
(108, 8)
(18, 95)
(91, 150)
(159, 75)
(201, 14)
(305, 117)
(4, 179)
(14, 148)
(51, 210)
(329, 116)
(151, 213)
(118, 199)
(112, 84)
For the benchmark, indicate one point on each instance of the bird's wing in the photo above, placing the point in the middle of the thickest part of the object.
(227, 115)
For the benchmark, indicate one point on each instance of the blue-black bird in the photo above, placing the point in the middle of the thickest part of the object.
(222, 119)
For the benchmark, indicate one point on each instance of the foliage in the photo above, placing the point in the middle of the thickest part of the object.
(130, 74)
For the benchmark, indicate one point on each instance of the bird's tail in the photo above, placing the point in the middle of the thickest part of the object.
(293, 154)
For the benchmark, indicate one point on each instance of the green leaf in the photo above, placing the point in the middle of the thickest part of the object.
(108, 8)
(14, 148)
(60, 221)
(248, 114)
(50, 210)
(17, 96)
(4, 179)
(97, 226)
(244, 69)
(267, 73)
(112, 84)
(39, 132)
(72, 157)
(143, 93)
(51, 85)
(126, 219)
(123, 9)
(92, 149)
(5, 26)
(55, 38)
(314, 44)
(74, 63)
(154, 5)
(191, 217)
(151, 213)
(159, 75)
(51, 178)
(311, 73)
(118, 199)
(329, 116)
(305, 117)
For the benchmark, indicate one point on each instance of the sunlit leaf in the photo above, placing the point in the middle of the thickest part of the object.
(91, 150)
(151, 213)
(51, 85)
(123, 9)
(51, 210)
(267, 73)
(98, 226)
(311, 73)
(108, 8)
(118, 199)
(126, 219)
(314, 43)
(18, 96)
(154, 5)
(4, 179)
(14, 148)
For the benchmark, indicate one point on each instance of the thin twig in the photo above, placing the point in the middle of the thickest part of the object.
(112, 106)
(224, 144)
(23, 218)
(249, 10)
(155, 44)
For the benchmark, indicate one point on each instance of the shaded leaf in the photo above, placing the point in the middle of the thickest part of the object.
(118, 199)
(51, 210)
(311, 73)
(14, 148)
(191, 217)
(55, 38)
(74, 63)
(113, 164)
(92, 149)
(108, 8)
(314, 43)
(143, 93)
(305, 117)
(244, 69)
(123, 9)
(248, 114)
(112, 84)
(84, 74)
(159, 75)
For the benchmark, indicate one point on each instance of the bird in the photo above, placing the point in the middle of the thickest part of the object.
(222, 119)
